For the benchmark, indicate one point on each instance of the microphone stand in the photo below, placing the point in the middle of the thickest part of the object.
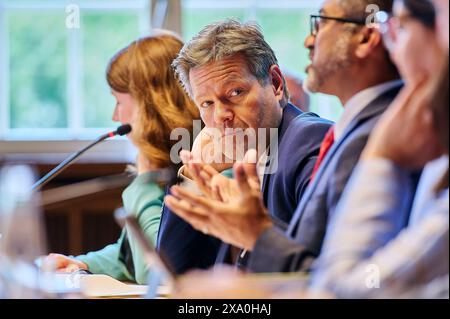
(122, 130)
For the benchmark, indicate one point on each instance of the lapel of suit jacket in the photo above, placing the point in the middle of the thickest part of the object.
(290, 112)
(376, 107)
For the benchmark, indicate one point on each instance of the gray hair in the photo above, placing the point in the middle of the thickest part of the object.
(223, 39)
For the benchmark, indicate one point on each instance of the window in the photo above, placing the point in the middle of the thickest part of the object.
(52, 77)
(52, 83)
(285, 24)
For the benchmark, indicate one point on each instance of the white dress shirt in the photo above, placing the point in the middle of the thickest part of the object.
(358, 102)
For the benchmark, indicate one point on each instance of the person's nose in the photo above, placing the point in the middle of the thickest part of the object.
(115, 116)
(309, 42)
(223, 114)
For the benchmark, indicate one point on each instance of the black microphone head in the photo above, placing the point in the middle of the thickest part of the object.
(123, 129)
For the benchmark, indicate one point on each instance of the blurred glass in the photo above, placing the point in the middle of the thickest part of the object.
(38, 59)
(104, 34)
(22, 235)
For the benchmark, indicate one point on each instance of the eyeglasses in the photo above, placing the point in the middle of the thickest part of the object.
(315, 21)
(390, 27)
(385, 23)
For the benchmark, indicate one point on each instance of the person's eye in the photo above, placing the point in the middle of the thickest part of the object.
(206, 104)
(236, 92)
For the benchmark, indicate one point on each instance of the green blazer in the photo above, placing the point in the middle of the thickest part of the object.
(146, 201)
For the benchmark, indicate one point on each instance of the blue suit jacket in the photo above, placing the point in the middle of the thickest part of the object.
(299, 139)
(279, 250)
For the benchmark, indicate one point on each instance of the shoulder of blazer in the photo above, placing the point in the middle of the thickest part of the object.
(295, 119)
(290, 112)
(373, 110)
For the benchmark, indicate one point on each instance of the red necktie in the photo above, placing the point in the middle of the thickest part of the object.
(327, 142)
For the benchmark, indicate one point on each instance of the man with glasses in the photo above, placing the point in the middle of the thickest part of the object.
(411, 262)
(349, 61)
(316, 20)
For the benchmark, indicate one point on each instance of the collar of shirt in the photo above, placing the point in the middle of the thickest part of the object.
(360, 101)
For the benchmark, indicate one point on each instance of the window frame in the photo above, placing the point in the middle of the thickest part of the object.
(254, 4)
(21, 141)
(74, 86)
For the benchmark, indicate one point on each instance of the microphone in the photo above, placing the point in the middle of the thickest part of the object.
(121, 130)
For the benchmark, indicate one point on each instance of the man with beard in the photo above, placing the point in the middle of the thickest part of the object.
(349, 61)
(411, 262)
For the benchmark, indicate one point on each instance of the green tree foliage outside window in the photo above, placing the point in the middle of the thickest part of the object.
(39, 65)
(38, 72)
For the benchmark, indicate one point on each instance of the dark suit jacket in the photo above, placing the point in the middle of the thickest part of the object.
(299, 138)
(278, 250)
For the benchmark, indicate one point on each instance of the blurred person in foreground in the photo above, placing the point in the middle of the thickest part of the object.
(365, 255)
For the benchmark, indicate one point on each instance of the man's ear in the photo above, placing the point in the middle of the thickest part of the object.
(368, 40)
(276, 80)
